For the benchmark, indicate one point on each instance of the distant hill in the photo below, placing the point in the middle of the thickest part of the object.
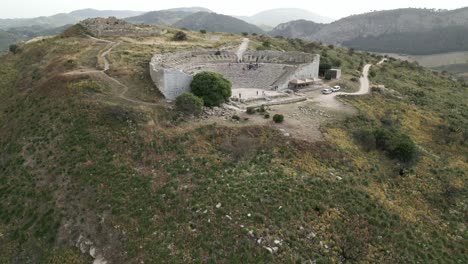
(434, 41)
(297, 29)
(190, 9)
(64, 18)
(393, 25)
(6, 39)
(278, 16)
(89, 13)
(216, 23)
(16, 35)
(165, 17)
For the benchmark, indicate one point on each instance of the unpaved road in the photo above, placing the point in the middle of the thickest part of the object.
(330, 100)
(242, 48)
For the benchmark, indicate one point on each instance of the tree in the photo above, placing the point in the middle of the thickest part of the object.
(266, 44)
(278, 119)
(212, 87)
(180, 36)
(245, 34)
(14, 48)
(203, 31)
(189, 104)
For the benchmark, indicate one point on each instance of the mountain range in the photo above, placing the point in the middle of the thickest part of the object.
(409, 31)
(374, 30)
(62, 19)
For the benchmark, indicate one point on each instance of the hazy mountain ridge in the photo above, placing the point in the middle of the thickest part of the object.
(216, 23)
(65, 18)
(274, 17)
(353, 29)
(297, 29)
(166, 17)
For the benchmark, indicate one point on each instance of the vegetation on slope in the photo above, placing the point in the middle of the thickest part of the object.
(216, 23)
(409, 31)
(77, 161)
(439, 40)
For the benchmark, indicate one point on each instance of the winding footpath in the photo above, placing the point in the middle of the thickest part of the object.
(102, 75)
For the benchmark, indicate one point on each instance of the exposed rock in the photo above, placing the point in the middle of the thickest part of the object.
(108, 27)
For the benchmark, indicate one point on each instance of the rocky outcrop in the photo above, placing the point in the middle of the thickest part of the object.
(111, 27)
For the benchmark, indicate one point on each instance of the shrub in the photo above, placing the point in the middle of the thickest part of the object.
(251, 110)
(278, 119)
(14, 48)
(267, 116)
(180, 36)
(189, 104)
(236, 117)
(403, 149)
(212, 87)
(245, 34)
(266, 44)
(398, 145)
(367, 139)
(203, 31)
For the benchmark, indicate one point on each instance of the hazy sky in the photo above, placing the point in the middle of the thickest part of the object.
(333, 9)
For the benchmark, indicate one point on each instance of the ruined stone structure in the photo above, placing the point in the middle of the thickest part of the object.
(273, 70)
(112, 27)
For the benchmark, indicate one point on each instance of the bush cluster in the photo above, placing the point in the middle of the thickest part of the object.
(278, 119)
(396, 144)
(189, 104)
(212, 87)
(180, 36)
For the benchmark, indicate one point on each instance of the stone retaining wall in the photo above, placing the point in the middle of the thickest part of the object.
(173, 73)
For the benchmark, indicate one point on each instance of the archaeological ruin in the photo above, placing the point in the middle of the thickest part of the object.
(265, 70)
(113, 27)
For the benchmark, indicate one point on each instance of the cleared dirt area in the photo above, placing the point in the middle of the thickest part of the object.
(304, 119)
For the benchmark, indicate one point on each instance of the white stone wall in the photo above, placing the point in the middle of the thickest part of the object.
(304, 71)
(171, 73)
(176, 82)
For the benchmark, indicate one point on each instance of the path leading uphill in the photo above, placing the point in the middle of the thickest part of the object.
(118, 88)
(330, 100)
(242, 49)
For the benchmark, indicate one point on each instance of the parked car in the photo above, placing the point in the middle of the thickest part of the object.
(327, 91)
(335, 88)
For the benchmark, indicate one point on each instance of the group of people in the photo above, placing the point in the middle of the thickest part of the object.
(251, 66)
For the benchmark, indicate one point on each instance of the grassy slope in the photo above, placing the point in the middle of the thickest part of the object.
(132, 179)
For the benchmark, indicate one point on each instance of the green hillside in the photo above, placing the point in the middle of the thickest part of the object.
(80, 162)
(409, 31)
(440, 40)
(6, 39)
(216, 23)
(166, 18)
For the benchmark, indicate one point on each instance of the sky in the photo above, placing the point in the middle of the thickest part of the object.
(335, 9)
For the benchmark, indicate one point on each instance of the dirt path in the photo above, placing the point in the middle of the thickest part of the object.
(330, 100)
(122, 89)
(242, 48)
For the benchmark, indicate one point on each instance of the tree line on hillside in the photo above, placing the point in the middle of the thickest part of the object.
(439, 40)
